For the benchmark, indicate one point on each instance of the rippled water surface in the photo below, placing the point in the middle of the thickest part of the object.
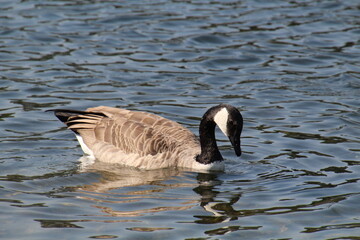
(291, 67)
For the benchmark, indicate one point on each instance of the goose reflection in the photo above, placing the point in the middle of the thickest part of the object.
(222, 211)
(118, 184)
(116, 176)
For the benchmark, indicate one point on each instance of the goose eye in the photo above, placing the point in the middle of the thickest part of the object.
(232, 123)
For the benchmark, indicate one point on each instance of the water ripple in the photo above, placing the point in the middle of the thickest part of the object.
(291, 67)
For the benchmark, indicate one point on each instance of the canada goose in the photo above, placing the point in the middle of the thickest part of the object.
(148, 141)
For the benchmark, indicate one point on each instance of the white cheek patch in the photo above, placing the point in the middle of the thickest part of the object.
(221, 118)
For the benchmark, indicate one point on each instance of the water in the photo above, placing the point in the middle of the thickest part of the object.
(291, 67)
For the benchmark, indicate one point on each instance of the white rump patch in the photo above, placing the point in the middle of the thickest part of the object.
(85, 148)
(221, 118)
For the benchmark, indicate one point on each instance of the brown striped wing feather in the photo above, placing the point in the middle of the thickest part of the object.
(131, 132)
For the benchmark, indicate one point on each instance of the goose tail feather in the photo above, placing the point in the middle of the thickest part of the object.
(71, 117)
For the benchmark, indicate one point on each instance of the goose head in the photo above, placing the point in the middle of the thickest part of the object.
(229, 120)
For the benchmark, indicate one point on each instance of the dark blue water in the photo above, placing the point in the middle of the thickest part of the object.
(291, 67)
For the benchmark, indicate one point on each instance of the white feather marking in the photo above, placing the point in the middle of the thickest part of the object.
(215, 166)
(85, 148)
(221, 118)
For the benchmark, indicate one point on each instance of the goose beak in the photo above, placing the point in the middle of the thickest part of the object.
(235, 142)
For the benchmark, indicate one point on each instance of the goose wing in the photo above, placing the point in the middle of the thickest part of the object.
(130, 131)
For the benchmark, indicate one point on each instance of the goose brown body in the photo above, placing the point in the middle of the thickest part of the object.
(138, 139)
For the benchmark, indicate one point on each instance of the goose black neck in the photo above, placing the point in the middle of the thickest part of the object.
(209, 150)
